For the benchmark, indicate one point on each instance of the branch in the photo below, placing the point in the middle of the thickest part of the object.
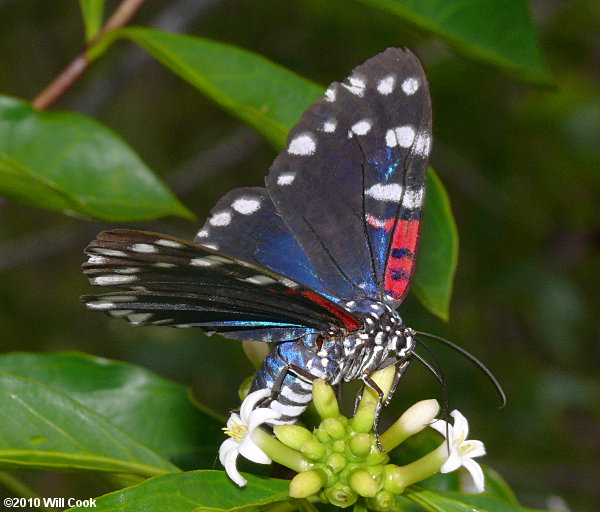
(65, 80)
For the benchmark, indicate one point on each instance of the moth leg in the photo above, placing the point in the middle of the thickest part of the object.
(399, 371)
(278, 384)
(370, 383)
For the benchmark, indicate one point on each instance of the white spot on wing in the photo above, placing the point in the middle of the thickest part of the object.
(402, 136)
(137, 318)
(357, 86)
(386, 85)
(288, 282)
(211, 246)
(112, 279)
(303, 144)
(422, 144)
(413, 198)
(260, 279)
(162, 264)
(169, 243)
(220, 219)
(143, 248)
(287, 178)
(100, 305)
(201, 262)
(329, 126)
(410, 85)
(127, 270)
(108, 252)
(97, 260)
(246, 205)
(385, 192)
(203, 233)
(330, 94)
(362, 127)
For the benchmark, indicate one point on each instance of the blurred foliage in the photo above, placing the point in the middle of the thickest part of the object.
(520, 163)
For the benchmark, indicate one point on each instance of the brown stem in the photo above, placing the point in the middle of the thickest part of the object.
(65, 80)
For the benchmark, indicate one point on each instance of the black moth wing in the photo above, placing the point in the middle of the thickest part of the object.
(353, 165)
(168, 281)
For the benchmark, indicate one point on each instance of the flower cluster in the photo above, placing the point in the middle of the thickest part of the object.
(340, 460)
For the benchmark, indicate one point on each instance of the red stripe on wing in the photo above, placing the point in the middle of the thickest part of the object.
(347, 319)
(401, 261)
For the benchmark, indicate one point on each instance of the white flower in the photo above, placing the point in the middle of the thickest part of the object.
(462, 451)
(239, 429)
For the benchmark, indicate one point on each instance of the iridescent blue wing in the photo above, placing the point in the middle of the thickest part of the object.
(167, 281)
(350, 183)
(245, 224)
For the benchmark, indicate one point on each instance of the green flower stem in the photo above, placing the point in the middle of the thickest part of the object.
(324, 400)
(415, 419)
(308, 483)
(279, 452)
(365, 414)
(397, 478)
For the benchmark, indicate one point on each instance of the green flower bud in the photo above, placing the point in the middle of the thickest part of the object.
(324, 399)
(244, 388)
(322, 435)
(313, 450)
(337, 462)
(363, 419)
(341, 495)
(394, 480)
(376, 457)
(360, 445)
(382, 501)
(293, 436)
(339, 446)
(334, 428)
(363, 483)
(308, 483)
(414, 419)
(256, 351)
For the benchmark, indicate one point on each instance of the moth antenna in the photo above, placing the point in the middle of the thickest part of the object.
(486, 371)
(437, 371)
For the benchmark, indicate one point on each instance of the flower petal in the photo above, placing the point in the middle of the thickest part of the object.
(260, 416)
(228, 455)
(250, 403)
(233, 420)
(461, 425)
(453, 462)
(250, 450)
(440, 426)
(476, 474)
(475, 449)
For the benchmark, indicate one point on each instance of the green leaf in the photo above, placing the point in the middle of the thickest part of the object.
(438, 503)
(93, 12)
(42, 429)
(195, 491)
(497, 487)
(67, 162)
(128, 396)
(438, 252)
(500, 33)
(488, 503)
(265, 95)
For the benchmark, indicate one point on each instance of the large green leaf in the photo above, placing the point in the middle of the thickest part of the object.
(435, 502)
(265, 95)
(488, 503)
(128, 396)
(67, 162)
(195, 491)
(93, 12)
(438, 253)
(43, 429)
(497, 32)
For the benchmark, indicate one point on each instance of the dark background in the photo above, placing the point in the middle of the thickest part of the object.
(521, 165)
